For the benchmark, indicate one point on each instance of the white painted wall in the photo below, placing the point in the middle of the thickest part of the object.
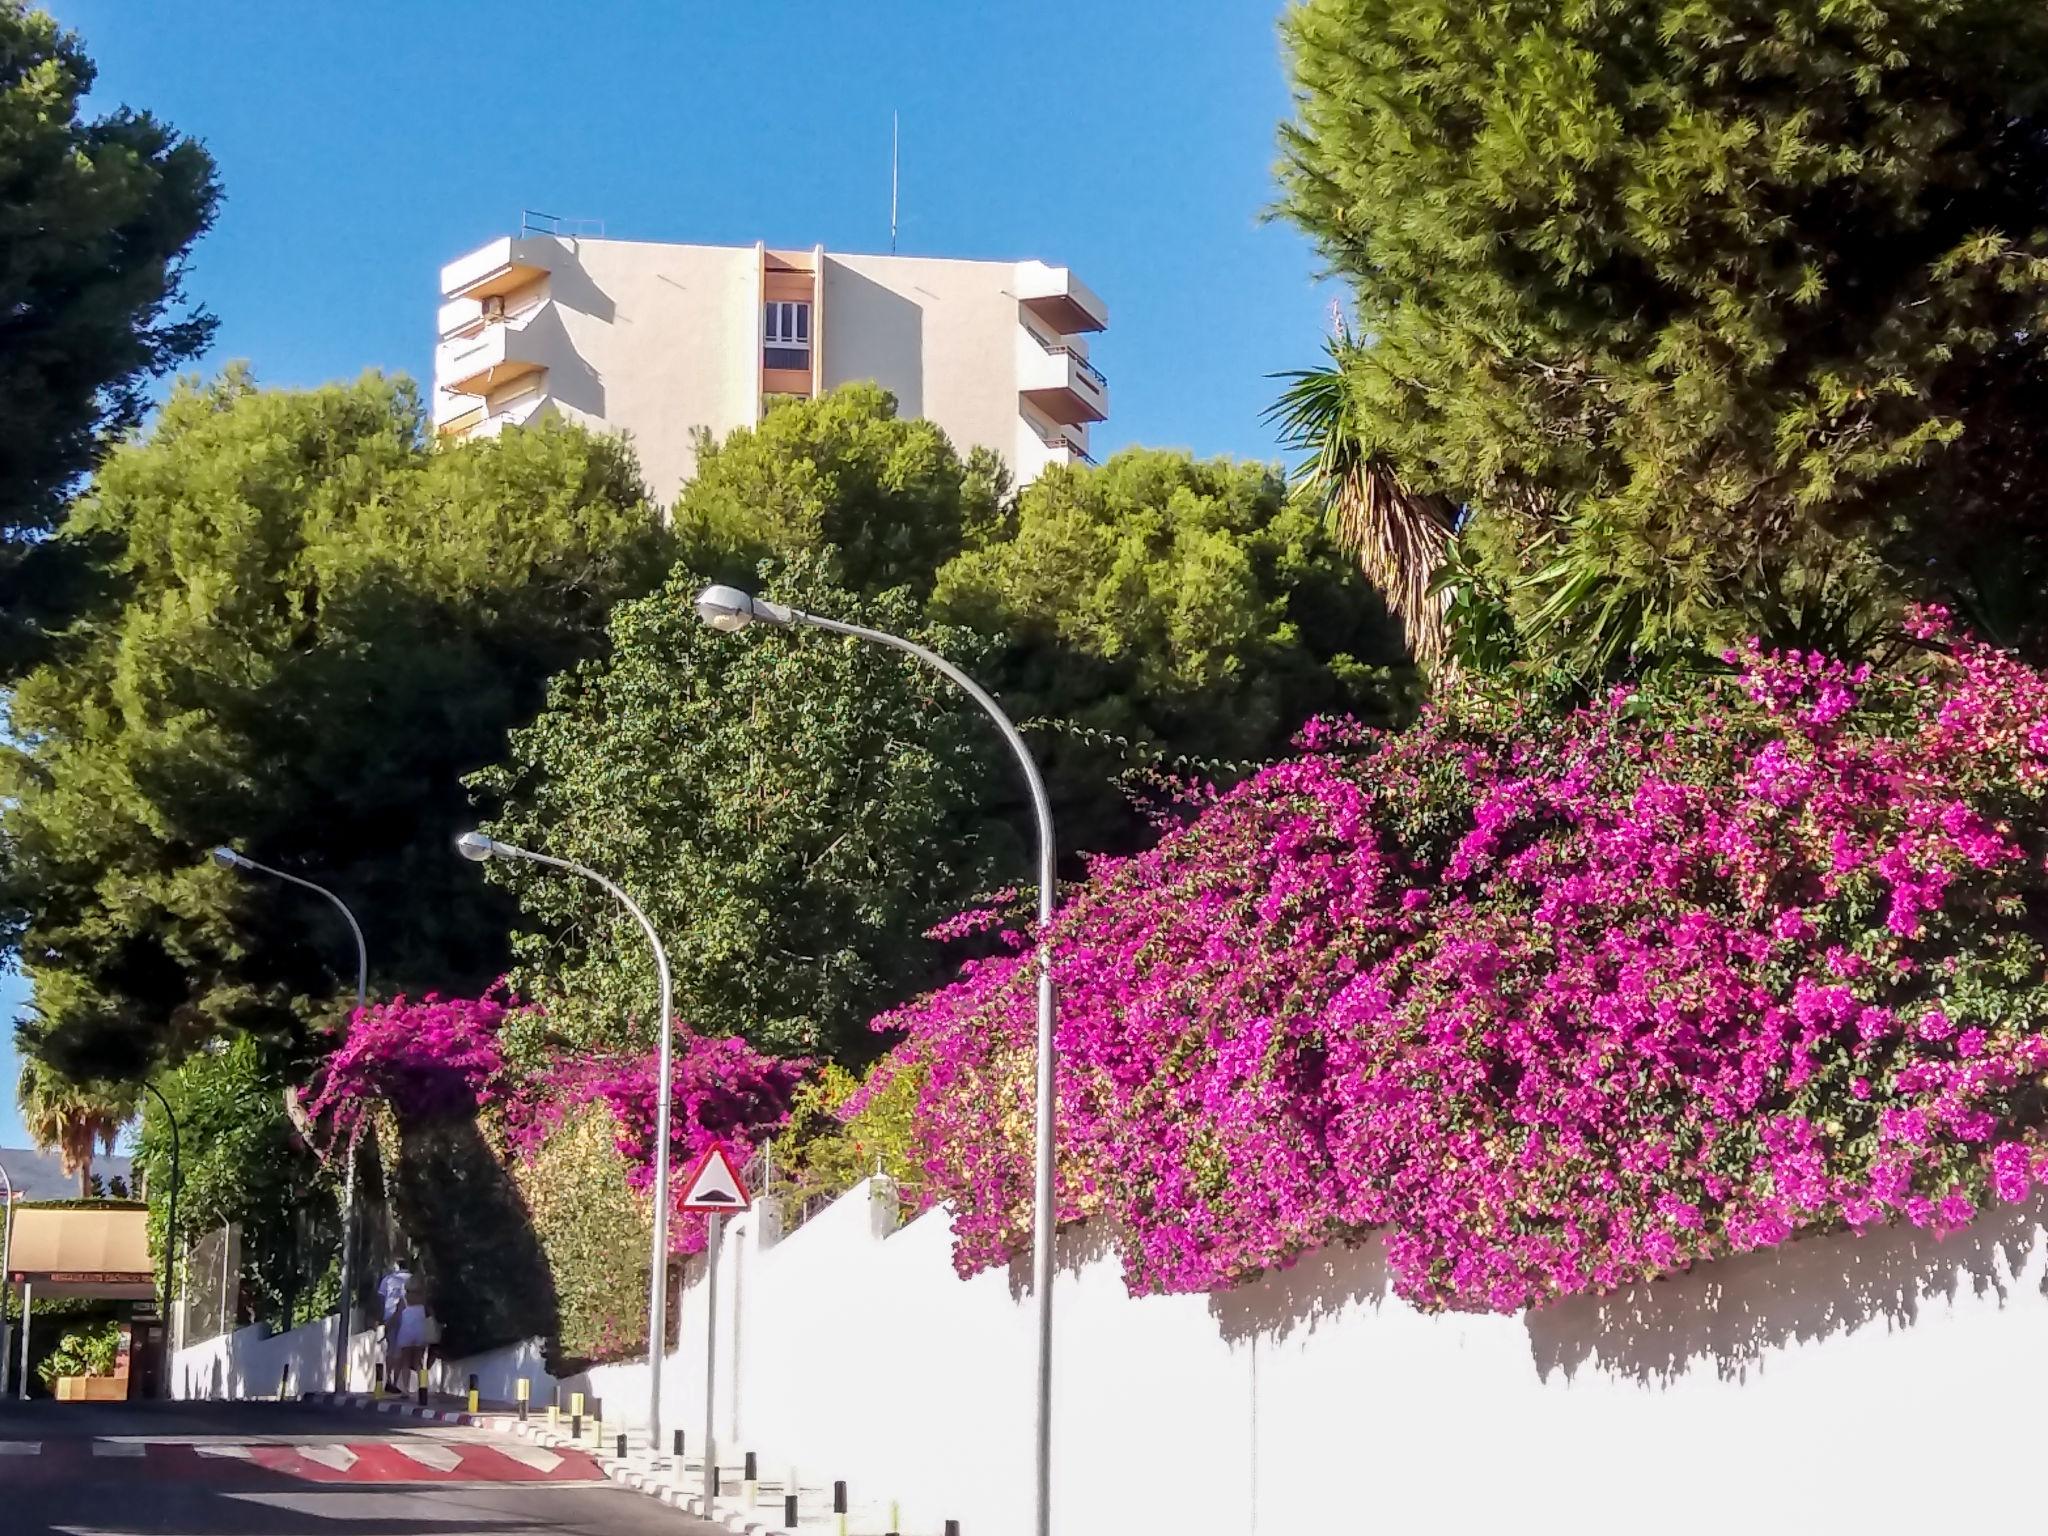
(1883, 1383)
(666, 338)
(941, 336)
(250, 1362)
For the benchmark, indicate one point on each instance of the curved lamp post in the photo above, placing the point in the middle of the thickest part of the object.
(478, 847)
(729, 609)
(170, 1244)
(227, 858)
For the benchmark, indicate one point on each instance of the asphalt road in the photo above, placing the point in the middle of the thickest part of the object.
(239, 1469)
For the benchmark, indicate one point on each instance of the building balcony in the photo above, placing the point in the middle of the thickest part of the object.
(1060, 300)
(487, 359)
(1060, 448)
(503, 266)
(513, 407)
(1061, 384)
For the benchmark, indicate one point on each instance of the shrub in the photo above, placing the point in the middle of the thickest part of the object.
(89, 1349)
(1559, 1000)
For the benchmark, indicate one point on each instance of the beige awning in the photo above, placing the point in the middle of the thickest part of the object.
(99, 1250)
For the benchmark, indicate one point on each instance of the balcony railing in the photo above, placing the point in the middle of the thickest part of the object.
(1060, 349)
(1058, 444)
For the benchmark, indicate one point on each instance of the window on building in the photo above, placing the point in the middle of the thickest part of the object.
(786, 333)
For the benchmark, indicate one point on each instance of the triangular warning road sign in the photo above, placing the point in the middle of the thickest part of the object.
(715, 1183)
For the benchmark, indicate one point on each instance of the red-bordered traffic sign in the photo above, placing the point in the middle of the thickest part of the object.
(715, 1183)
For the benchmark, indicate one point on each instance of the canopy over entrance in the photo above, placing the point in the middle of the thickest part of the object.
(98, 1249)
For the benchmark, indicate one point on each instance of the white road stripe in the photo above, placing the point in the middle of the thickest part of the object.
(21, 1447)
(429, 1454)
(237, 1452)
(537, 1457)
(339, 1457)
(117, 1448)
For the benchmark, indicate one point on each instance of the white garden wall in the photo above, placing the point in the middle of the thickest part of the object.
(1882, 1383)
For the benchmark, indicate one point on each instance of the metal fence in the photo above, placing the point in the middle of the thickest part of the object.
(210, 1286)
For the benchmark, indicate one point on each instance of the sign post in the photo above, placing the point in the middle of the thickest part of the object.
(714, 1187)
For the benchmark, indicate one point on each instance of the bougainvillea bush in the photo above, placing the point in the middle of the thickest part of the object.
(439, 1059)
(1558, 1000)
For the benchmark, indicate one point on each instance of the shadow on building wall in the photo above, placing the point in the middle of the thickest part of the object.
(1726, 1316)
(872, 332)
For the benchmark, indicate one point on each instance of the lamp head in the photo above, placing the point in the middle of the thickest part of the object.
(475, 847)
(227, 858)
(728, 609)
(725, 609)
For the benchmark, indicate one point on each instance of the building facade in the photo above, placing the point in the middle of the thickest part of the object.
(660, 340)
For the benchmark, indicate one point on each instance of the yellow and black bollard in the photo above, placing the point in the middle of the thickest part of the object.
(473, 1399)
(576, 1417)
(524, 1389)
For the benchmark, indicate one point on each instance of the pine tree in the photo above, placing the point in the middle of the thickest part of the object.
(1709, 316)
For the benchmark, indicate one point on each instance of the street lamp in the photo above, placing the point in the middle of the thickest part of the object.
(728, 609)
(170, 1249)
(479, 848)
(228, 858)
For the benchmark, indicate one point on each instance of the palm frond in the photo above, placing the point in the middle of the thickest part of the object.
(1398, 537)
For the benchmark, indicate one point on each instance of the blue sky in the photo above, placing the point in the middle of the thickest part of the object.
(362, 145)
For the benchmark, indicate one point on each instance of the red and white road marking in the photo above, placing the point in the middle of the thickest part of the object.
(368, 1461)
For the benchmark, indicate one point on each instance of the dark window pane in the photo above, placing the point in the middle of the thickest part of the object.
(786, 357)
(803, 322)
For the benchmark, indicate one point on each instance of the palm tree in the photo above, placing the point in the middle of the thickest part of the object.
(1398, 537)
(76, 1120)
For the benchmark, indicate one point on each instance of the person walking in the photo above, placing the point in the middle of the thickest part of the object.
(391, 1294)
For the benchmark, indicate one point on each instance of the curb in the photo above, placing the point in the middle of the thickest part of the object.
(369, 1402)
(627, 1475)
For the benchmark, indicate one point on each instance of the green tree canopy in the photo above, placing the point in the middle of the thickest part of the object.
(96, 216)
(1709, 316)
(1166, 611)
(321, 625)
(791, 809)
(886, 501)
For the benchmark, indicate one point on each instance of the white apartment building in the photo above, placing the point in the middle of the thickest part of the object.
(658, 340)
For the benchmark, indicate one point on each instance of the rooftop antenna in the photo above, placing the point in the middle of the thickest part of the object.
(895, 148)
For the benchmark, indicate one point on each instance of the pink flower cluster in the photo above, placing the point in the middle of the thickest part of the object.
(440, 1058)
(723, 1090)
(1557, 1001)
(432, 1059)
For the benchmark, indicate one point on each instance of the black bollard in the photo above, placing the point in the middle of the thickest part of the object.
(789, 1511)
(839, 1498)
(379, 1388)
(714, 1482)
(284, 1382)
(952, 1528)
(622, 1447)
(679, 1445)
(753, 1472)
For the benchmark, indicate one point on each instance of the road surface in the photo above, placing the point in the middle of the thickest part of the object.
(269, 1469)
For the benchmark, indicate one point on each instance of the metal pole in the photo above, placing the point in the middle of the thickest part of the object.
(170, 1237)
(28, 1302)
(1042, 1220)
(657, 1288)
(6, 1248)
(713, 1223)
(339, 1380)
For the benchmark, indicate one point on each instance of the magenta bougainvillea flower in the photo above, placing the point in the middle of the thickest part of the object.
(440, 1058)
(1556, 1001)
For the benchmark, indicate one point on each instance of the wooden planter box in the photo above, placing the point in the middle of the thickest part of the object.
(92, 1389)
